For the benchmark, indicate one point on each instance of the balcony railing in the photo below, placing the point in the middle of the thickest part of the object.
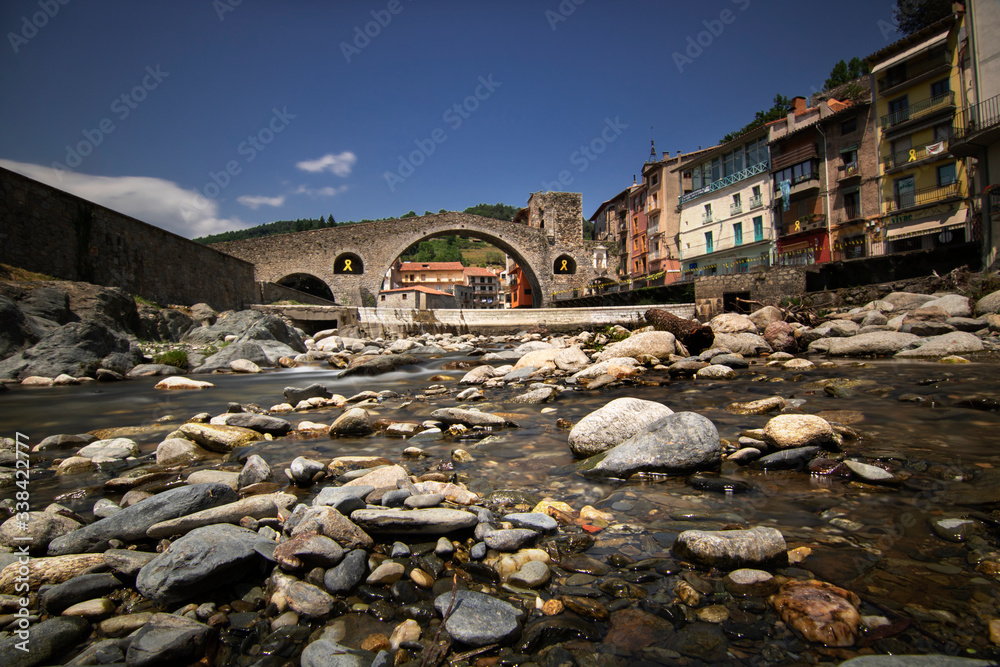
(851, 212)
(918, 109)
(756, 202)
(758, 168)
(706, 217)
(735, 209)
(912, 70)
(982, 116)
(905, 200)
(899, 158)
(849, 170)
(807, 223)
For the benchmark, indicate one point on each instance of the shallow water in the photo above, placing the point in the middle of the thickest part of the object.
(925, 437)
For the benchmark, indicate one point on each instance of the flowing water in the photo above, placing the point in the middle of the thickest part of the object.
(927, 421)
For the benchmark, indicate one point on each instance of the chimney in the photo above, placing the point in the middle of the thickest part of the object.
(799, 104)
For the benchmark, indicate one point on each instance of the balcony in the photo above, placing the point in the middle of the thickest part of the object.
(706, 217)
(976, 127)
(912, 71)
(849, 172)
(923, 197)
(735, 209)
(756, 202)
(914, 156)
(758, 168)
(919, 110)
(808, 223)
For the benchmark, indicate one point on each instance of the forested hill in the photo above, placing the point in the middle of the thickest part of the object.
(498, 211)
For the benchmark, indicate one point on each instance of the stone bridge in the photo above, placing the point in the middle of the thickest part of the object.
(352, 260)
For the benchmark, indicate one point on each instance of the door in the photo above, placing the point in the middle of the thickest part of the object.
(905, 192)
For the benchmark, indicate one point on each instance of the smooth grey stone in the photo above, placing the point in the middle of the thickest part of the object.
(131, 524)
(47, 642)
(105, 507)
(477, 619)
(261, 423)
(65, 441)
(511, 539)
(399, 550)
(295, 394)
(423, 500)
(126, 561)
(344, 499)
(326, 653)
(255, 471)
(677, 443)
(788, 459)
(532, 574)
(469, 418)
(204, 559)
(395, 498)
(434, 521)
(613, 424)
(915, 661)
(167, 640)
(302, 470)
(55, 599)
(380, 365)
(731, 360)
(348, 573)
(732, 549)
(478, 551)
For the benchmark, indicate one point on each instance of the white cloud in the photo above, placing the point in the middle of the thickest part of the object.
(341, 164)
(256, 202)
(328, 191)
(153, 200)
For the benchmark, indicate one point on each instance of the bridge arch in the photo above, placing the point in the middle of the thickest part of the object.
(308, 284)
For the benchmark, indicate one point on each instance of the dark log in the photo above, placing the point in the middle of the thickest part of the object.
(695, 337)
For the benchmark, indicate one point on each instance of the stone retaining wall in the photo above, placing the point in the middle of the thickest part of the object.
(49, 231)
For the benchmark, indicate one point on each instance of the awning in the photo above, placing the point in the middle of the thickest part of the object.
(928, 225)
(909, 53)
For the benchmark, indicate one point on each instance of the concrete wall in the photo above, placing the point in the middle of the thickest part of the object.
(386, 322)
(768, 287)
(50, 231)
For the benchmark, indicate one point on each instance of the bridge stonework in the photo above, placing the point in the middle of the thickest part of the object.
(551, 239)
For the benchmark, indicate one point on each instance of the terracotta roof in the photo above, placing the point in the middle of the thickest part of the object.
(478, 271)
(431, 266)
(415, 288)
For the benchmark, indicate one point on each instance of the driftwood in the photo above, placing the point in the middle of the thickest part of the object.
(695, 337)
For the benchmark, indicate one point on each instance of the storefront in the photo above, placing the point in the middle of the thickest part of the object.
(940, 226)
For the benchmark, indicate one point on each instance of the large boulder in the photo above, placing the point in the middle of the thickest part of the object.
(248, 325)
(989, 304)
(16, 332)
(765, 316)
(613, 424)
(660, 344)
(956, 342)
(906, 301)
(74, 349)
(164, 324)
(874, 344)
(674, 444)
(732, 323)
(380, 365)
(47, 303)
(781, 337)
(955, 305)
(747, 344)
(240, 350)
(692, 334)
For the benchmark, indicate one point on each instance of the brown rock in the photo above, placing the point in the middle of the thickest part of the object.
(633, 630)
(52, 570)
(781, 337)
(819, 612)
(695, 337)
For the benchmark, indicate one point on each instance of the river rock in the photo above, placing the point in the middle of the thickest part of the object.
(532, 574)
(47, 642)
(792, 430)
(749, 582)
(204, 559)
(126, 561)
(470, 418)
(255, 471)
(179, 451)
(759, 407)
(35, 534)
(716, 372)
(875, 344)
(632, 630)
(168, 640)
(906, 301)
(328, 521)
(536, 396)
(956, 342)
(819, 612)
(380, 365)
(308, 550)
(345, 499)
(131, 523)
(218, 437)
(732, 549)
(258, 507)
(747, 344)
(732, 323)
(353, 422)
(181, 382)
(659, 344)
(478, 375)
(56, 598)
(244, 366)
(302, 470)
(303, 597)
(433, 521)
(537, 521)
(988, 304)
(613, 424)
(674, 444)
(781, 337)
(932, 660)
(49, 570)
(477, 619)
(795, 458)
(539, 360)
(152, 370)
(327, 653)
(274, 426)
(571, 359)
(348, 573)
(869, 473)
(75, 349)
(511, 539)
(295, 394)
(115, 449)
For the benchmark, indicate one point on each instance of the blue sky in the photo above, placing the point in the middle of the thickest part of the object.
(205, 115)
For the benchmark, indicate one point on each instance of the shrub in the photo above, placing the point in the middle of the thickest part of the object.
(178, 358)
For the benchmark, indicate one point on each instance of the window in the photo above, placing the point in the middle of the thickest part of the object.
(736, 200)
(852, 205)
(756, 191)
(903, 190)
(708, 242)
(939, 88)
(849, 125)
(946, 174)
(708, 213)
(404, 296)
(895, 75)
(383, 297)
(899, 109)
(655, 179)
(942, 132)
(758, 228)
(738, 233)
(849, 156)
(756, 152)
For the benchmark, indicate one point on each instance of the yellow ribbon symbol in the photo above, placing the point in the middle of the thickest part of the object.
(564, 267)
(347, 265)
(913, 155)
(798, 227)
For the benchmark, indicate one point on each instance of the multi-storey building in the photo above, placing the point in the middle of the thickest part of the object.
(725, 224)
(977, 129)
(638, 267)
(611, 226)
(919, 88)
(442, 276)
(480, 291)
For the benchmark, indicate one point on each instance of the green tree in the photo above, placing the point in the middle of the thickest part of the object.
(913, 15)
(845, 72)
(444, 210)
(779, 109)
(411, 214)
(497, 211)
